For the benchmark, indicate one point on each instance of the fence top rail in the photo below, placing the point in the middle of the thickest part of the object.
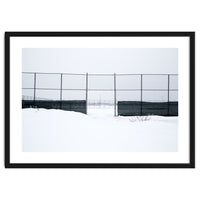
(91, 74)
(146, 74)
(99, 89)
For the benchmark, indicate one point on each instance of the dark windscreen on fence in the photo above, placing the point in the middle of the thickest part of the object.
(54, 91)
(148, 94)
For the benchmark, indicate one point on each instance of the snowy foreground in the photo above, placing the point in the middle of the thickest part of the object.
(66, 131)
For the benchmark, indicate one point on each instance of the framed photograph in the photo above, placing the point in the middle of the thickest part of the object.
(99, 99)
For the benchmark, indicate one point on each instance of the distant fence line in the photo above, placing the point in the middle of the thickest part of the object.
(139, 83)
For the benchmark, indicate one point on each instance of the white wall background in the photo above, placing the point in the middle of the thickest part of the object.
(88, 15)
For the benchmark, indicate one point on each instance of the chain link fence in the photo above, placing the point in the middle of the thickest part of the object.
(129, 94)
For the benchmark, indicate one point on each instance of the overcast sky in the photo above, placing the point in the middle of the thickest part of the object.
(100, 60)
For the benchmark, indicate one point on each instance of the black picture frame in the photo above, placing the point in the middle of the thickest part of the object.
(190, 35)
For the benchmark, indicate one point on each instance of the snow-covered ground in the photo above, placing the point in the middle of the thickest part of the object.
(66, 131)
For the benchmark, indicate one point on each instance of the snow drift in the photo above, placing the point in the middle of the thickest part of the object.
(67, 131)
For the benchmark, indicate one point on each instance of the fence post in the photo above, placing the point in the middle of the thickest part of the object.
(168, 94)
(61, 75)
(86, 92)
(115, 106)
(34, 88)
(141, 95)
